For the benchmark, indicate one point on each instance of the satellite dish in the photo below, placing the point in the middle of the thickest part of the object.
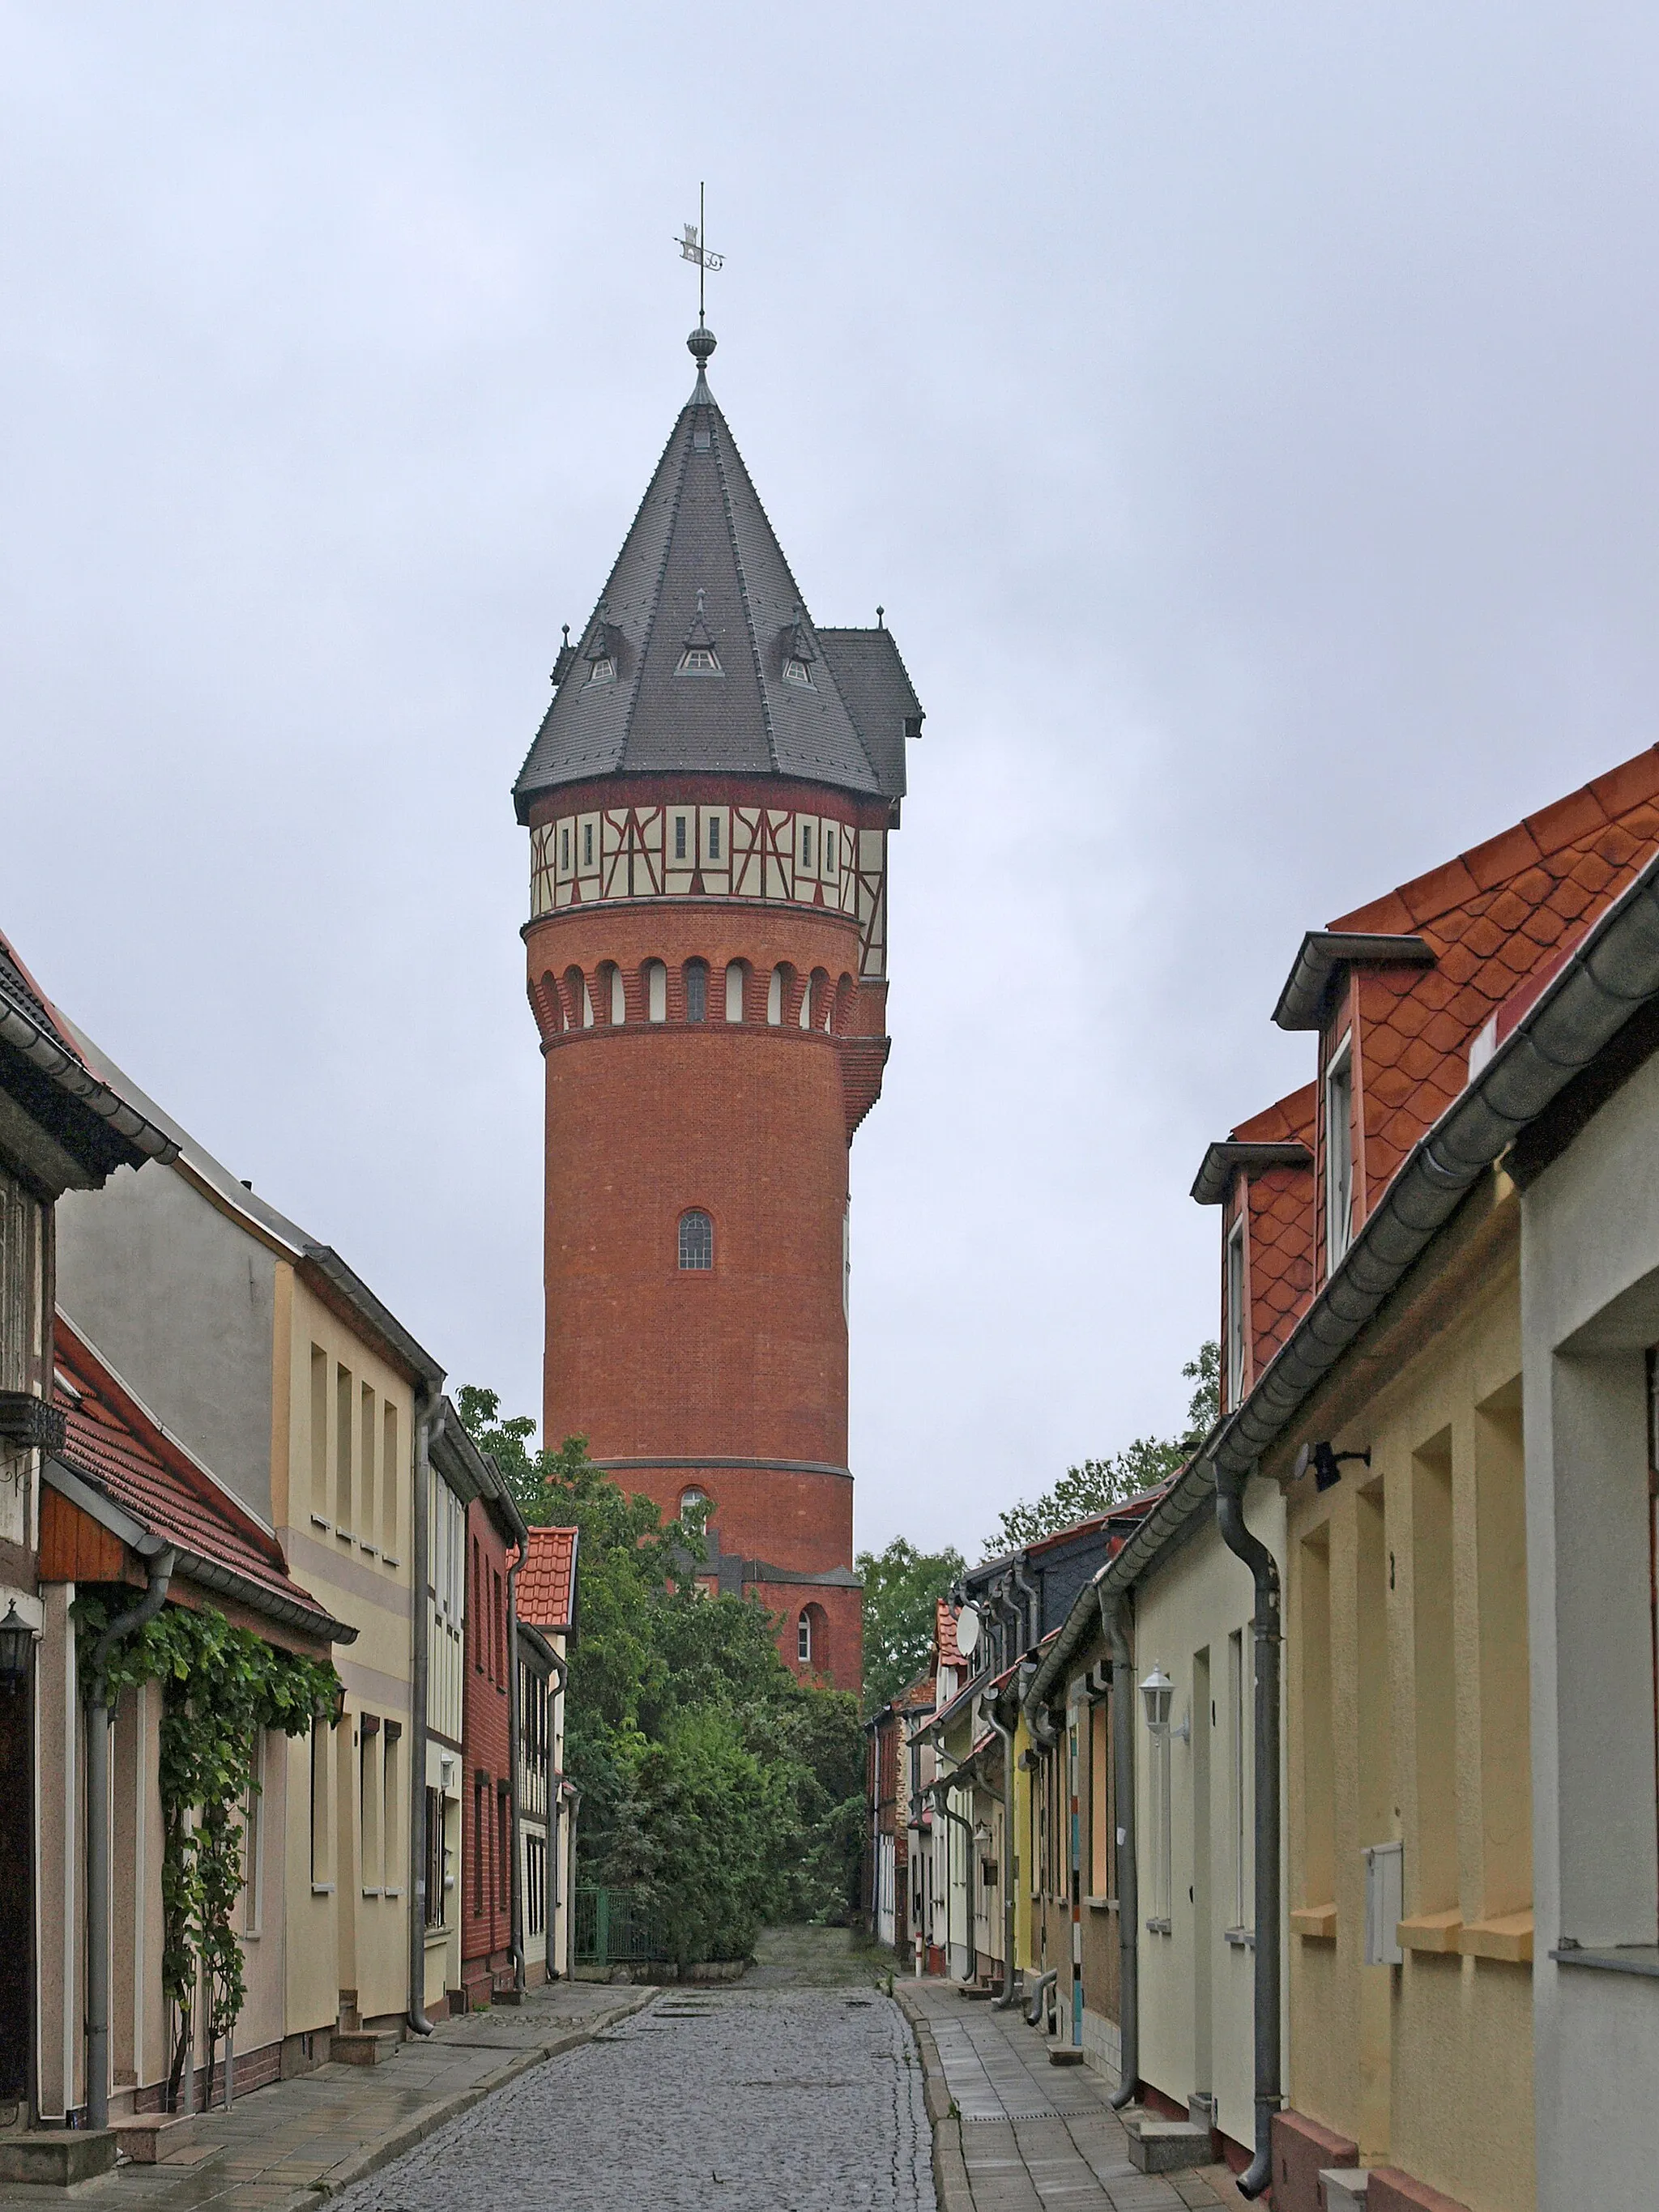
(968, 1630)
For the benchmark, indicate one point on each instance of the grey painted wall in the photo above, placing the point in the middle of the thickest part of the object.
(1590, 1291)
(181, 1302)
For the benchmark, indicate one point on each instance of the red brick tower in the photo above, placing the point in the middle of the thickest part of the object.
(709, 800)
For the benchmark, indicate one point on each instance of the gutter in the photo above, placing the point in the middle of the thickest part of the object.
(428, 1410)
(988, 1708)
(61, 1065)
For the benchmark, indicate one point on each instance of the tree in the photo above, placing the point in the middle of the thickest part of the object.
(716, 1789)
(1099, 1484)
(901, 1586)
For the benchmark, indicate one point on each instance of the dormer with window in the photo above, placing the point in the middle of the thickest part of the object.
(700, 656)
(1261, 1177)
(799, 654)
(601, 654)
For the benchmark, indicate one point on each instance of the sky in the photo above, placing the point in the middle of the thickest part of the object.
(1244, 414)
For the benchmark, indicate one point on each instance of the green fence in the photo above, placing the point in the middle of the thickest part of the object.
(613, 1931)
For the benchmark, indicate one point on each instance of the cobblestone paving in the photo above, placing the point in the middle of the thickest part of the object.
(752, 2100)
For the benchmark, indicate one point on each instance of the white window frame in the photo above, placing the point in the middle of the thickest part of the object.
(1338, 1151)
(1236, 1338)
(804, 1637)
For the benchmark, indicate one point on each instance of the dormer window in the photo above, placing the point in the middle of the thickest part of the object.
(699, 656)
(601, 655)
(1338, 1152)
(602, 670)
(799, 654)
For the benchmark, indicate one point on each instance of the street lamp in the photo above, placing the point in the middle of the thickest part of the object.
(16, 1640)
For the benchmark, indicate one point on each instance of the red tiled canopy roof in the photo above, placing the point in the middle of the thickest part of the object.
(125, 1454)
(547, 1581)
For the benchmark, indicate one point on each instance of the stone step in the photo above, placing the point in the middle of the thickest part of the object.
(149, 2137)
(57, 2156)
(1066, 2054)
(1343, 2188)
(1158, 2146)
(365, 2046)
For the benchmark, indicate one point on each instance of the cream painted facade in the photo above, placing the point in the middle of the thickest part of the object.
(342, 1461)
(446, 1614)
(1406, 1670)
(1194, 1812)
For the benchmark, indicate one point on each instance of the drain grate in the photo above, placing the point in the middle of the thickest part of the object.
(997, 2119)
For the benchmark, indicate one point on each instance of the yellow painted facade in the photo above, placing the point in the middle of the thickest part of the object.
(342, 1456)
(1406, 1678)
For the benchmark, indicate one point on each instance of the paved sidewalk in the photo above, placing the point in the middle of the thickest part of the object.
(289, 2147)
(1026, 2136)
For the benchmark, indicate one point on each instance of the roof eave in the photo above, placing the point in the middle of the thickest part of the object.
(1224, 1160)
(1322, 952)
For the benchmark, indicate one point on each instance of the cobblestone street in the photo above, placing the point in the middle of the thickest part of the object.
(755, 2099)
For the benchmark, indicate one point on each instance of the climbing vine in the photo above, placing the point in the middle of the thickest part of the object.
(220, 1685)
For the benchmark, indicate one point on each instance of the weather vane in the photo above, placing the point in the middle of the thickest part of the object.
(693, 249)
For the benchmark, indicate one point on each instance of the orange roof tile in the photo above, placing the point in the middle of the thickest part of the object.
(945, 1635)
(124, 1453)
(547, 1581)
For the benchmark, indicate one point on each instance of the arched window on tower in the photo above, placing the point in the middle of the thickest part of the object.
(579, 1000)
(612, 997)
(696, 1241)
(778, 992)
(806, 1002)
(696, 991)
(692, 1500)
(656, 991)
(823, 1004)
(734, 991)
(803, 1637)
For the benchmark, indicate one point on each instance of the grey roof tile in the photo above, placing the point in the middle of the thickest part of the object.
(700, 529)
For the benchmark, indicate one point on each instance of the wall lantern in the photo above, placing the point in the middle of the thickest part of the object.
(1325, 1462)
(16, 1640)
(334, 1711)
(1155, 1692)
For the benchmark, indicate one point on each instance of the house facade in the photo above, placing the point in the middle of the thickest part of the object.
(491, 1954)
(545, 1593)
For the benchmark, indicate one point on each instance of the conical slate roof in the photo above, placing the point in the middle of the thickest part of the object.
(681, 665)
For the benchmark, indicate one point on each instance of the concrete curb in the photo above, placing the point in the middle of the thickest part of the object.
(350, 2171)
(950, 2185)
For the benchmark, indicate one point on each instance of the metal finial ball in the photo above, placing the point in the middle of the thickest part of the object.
(699, 344)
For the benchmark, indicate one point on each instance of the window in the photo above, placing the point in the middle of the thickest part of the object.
(391, 1484)
(696, 1241)
(322, 1857)
(804, 1638)
(691, 1501)
(797, 672)
(535, 1886)
(368, 1803)
(612, 991)
(391, 1807)
(713, 836)
(1235, 1311)
(679, 837)
(343, 1512)
(1241, 1746)
(320, 1434)
(564, 847)
(778, 991)
(366, 1487)
(602, 670)
(734, 991)
(656, 991)
(700, 660)
(480, 1839)
(503, 1847)
(807, 1003)
(497, 1633)
(433, 1868)
(587, 844)
(253, 1839)
(806, 845)
(829, 855)
(696, 992)
(477, 1611)
(1338, 1151)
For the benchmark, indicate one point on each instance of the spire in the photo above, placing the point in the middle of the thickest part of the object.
(700, 655)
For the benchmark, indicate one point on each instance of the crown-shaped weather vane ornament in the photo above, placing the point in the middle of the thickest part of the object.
(690, 243)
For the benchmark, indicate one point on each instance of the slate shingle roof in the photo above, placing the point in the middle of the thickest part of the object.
(114, 1444)
(700, 529)
(547, 1580)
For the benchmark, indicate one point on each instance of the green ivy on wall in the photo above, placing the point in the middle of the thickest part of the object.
(220, 1687)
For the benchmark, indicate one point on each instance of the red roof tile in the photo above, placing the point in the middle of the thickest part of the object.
(945, 1635)
(125, 1454)
(547, 1581)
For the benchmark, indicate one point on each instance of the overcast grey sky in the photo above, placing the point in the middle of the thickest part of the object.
(1245, 413)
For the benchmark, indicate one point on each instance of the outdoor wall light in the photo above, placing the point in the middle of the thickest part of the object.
(16, 1641)
(1155, 1692)
(1325, 1462)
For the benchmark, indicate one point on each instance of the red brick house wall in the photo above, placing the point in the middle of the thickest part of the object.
(487, 1841)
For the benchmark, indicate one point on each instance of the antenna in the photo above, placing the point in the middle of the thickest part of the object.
(692, 248)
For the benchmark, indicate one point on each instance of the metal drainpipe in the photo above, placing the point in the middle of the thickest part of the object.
(100, 1718)
(1128, 1887)
(555, 1815)
(1006, 1736)
(429, 1419)
(1266, 1624)
(1032, 1606)
(516, 1889)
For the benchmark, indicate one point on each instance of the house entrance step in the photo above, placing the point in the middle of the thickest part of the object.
(1066, 2054)
(1342, 2188)
(1158, 2146)
(57, 2156)
(149, 2137)
(366, 2047)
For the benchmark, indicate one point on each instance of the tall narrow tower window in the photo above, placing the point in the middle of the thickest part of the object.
(656, 991)
(696, 992)
(804, 1639)
(697, 1242)
(734, 991)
